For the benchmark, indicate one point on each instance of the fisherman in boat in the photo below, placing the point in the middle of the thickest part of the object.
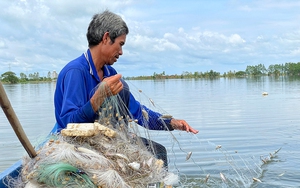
(76, 98)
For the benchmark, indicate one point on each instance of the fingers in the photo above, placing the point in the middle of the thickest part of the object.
(113, 84)
(116, 87)
(193, 130)
(183, 125)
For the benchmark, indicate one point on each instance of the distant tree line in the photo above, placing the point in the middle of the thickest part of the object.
(287, 69)
(12, 78)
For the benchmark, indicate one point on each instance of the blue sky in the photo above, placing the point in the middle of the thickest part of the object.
(171, 36)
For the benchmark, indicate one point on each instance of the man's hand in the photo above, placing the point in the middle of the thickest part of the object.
(109, 86)
(179, 124)
(113, 84)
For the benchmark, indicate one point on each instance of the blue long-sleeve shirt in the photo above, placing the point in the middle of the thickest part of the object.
(76, 85)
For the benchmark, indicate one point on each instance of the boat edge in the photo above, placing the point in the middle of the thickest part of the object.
(12, 171)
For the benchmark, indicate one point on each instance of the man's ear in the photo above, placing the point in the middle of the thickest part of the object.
(106, 38)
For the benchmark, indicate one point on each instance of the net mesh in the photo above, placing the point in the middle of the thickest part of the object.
(133, 157)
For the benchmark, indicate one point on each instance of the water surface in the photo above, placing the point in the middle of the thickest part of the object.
(232, 113)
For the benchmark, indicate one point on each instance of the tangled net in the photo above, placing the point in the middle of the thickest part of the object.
(96, 161)
(112, 153)
(107, 153)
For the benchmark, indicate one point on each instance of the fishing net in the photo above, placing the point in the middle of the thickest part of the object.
(115, 151)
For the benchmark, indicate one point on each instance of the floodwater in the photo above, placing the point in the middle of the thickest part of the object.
(242, 133)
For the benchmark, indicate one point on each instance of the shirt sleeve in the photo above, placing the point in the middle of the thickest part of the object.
(148, 118)
(76, 105)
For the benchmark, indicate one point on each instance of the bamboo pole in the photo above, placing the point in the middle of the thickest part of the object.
(15, 123)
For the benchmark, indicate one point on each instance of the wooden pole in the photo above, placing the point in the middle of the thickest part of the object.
(15, 123)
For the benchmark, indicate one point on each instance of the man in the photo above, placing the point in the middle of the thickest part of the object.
(76, 98)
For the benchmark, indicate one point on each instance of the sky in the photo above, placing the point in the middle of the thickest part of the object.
(170, 36)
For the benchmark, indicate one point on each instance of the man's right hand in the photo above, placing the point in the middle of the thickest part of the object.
(109, 86)
(113, 84)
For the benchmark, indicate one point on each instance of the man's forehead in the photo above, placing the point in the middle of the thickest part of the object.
(121, 38)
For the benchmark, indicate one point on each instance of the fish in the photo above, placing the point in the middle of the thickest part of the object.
(218, 147)
(149, 162)
(188, 155)
(145, 114)
(134, 165)
(256, 179)
(84, 150)
(207, 177)
(119, 155)
(166, 116)
(264, 160)
(121, 165)
(281, 174)
(223, 177)
(151, 101)
(276, 151)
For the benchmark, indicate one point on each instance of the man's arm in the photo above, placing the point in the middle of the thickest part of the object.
(75, 100)
(154, 121)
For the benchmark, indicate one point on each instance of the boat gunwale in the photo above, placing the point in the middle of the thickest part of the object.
(12, 171)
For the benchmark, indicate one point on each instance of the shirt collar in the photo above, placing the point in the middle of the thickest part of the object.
(89, 59)
(93, 71)
(106, 72)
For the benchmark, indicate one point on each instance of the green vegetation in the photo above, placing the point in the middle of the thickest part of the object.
(287, 69)
(11, 78)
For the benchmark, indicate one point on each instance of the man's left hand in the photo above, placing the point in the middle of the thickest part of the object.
(179, 124)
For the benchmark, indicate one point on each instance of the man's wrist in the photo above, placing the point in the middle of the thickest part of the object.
(168, 124)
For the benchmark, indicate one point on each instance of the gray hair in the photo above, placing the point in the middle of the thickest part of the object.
(105, 22)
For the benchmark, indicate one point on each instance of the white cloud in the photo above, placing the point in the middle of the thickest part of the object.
(235, 39)
(296, 52)
(165, 45)
(45, 35)
(2, 43)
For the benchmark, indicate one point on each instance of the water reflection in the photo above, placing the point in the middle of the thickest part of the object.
(232, 113)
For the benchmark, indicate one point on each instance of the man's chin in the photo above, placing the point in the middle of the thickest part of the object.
(110, 63)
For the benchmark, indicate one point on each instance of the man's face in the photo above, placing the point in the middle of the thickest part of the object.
(114, 50)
